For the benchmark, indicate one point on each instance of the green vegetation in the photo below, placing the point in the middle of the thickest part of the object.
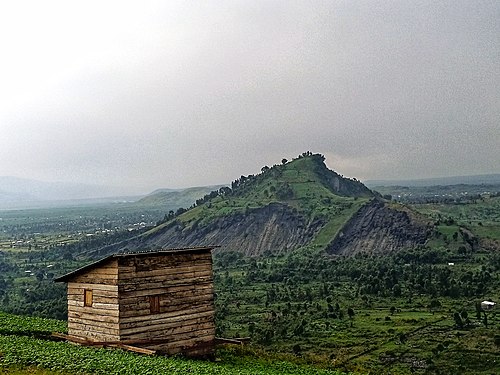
(442, 194)
(30, 326)
(416, 310)
(304, 184)
(385, 314)
(24, 343)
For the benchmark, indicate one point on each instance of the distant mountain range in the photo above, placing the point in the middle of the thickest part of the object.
(456, 180)
(16, 192)
(28, 193)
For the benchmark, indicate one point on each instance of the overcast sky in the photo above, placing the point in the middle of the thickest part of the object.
(155, 94)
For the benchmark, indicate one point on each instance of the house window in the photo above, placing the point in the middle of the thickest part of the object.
(87, 297)
(154, 304)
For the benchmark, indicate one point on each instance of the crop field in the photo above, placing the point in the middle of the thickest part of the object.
(384, 335)
(482, 216)
(25, 344)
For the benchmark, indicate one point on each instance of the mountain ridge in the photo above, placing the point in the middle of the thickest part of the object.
(296, 204)
(16, 190)
(492, 178)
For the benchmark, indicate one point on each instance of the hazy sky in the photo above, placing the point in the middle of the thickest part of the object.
(155, 94)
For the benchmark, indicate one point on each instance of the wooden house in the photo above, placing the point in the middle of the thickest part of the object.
(161, 301)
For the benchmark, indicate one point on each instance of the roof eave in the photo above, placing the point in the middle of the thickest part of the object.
(66, 277)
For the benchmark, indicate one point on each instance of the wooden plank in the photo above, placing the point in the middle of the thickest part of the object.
(158, 262)
(93, 336)
(175, 292)
(112, 288)
(171, 316)
(165, 283)
(104, 271)
(188, 275)
(132, 274)
(100, 272)
(188, 295)
(133, 327)
(93, 311)
(181, 267)
(162, 281)
(151, 330)
(95, 305)
(195, 334)
(164, 310)
(182, 335)
(92, 318)
(95, 279)
(166, 302)
(115, 342)
(239, 341)
(208, 285)
(96, 299)
(83, 324)
(75, 339)
(182, 345)
(96, 292)
(135, 349)
(130, 316)
(146, 315)
(104, 328)
(136, 310)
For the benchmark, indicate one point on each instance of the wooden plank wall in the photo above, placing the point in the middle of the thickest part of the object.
(99, 322)
(184, 285)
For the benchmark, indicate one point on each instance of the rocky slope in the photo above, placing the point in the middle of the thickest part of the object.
(275, 228)
(288, 206)
(378, 228)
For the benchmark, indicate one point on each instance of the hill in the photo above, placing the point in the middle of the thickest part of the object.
(178, 197)
(286, 207)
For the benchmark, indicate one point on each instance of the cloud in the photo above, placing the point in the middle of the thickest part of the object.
(185, 93)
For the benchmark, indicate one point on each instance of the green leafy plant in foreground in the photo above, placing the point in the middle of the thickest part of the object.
(29, 326)
(59, 356)
(24, 345)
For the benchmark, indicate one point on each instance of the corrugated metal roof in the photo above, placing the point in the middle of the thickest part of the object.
(95, 264)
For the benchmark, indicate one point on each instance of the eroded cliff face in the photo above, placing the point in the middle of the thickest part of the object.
(274, 228)
(379, 229)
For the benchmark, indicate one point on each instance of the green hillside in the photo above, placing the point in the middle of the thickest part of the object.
(311, 201)
(305, 184)
(174, 199)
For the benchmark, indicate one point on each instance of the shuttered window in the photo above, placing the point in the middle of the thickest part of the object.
(154, 304)
(87, 297)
